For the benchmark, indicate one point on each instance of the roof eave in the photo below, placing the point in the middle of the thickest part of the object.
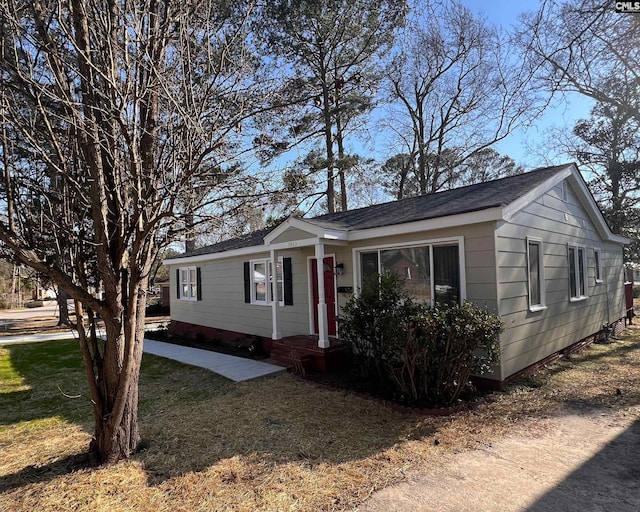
(449, 221)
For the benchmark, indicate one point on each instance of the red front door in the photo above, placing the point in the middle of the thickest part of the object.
(329, 293)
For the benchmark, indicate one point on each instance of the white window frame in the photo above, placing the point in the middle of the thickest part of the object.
(597, 264)
(459, 240)
(268, 281)
(192, 287)
(576, 261)
(541, 282)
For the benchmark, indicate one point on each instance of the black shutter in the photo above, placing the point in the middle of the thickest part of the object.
(178, 283)
(198, 284)
(247, 282)
(288, 283)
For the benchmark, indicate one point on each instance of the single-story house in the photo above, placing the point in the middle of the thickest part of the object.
(533, 248)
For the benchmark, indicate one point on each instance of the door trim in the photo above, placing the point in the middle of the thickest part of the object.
(312, 327)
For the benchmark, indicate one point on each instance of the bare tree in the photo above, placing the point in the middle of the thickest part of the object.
(120, 107)
(607, 147)
(579, 46)
(586, 47)
(455, 91)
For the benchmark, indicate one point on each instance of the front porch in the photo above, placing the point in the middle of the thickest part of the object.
(302, 352)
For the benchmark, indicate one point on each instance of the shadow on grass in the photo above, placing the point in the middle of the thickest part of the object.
(610, 480)
(192, 420)
(205, 421)
(40, 474)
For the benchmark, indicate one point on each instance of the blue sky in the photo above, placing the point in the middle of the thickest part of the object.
(529, 147)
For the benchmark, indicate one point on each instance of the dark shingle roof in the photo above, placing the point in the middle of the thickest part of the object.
(249, 240)
(481, 196)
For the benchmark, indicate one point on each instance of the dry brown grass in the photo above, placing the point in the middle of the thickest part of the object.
(272, 444)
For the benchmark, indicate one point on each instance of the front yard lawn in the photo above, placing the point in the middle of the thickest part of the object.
(278, 443)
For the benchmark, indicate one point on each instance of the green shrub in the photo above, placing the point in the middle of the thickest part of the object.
(425, 354)
(373, 324)
(636, 291)
(444, 345)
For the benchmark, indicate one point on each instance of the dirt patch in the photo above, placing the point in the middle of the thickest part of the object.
(581, 463)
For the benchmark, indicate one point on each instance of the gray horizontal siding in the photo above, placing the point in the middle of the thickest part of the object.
(531, 336)
(223, 307)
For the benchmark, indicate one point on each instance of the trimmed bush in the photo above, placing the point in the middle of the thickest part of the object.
(424, 354)
(374, 323)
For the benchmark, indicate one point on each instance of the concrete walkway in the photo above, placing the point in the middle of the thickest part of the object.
(16, 339)
(234, 368)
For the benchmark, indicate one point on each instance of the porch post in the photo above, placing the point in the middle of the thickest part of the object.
(275, 333)
(323, 324)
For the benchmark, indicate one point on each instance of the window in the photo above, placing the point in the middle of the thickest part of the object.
(259, 281)
(598, 264)
(188, 283)
(265, 282)
(535, 273)
(577, 273)
(429, 271)
(412, 264)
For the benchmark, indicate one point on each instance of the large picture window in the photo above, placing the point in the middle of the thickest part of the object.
(577, 272)
(431, 272)
(535, 274)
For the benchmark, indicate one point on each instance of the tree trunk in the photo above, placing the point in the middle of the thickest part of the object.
(113, 372)
(116, 434)
(116, 441)
(63, 307)
(340, 141)
(344, 206)
(328, 137)
(422, 156)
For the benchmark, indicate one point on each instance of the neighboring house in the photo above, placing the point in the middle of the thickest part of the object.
(533, 248)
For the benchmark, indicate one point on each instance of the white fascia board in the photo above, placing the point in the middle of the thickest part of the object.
(281, 228)
(573, 175)
(514, 207)
(216, 256)
(451, 221)
(255, 249)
